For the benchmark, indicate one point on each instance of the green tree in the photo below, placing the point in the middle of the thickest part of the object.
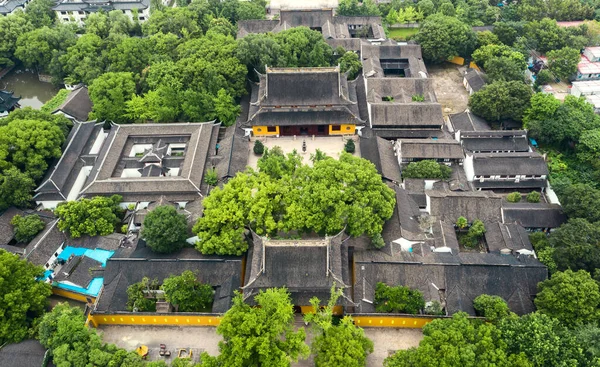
(427, 169)
(576, 245)
(186, 293)
(84, 61)
(513, 197)
(354, 8)
(398, 299)
(504, 69)
(257, 51)
(581, 201)
(336, 345)
(29, 145)
(249, 10)
(349, 146)
(136, 298)
(23, 297)
(544, 35)
(501, 100)
(301, 46)
(356, 200)
(486, 53)
(26, 228)
(164, 229)
(28, 113)
(11, 27)
(226, 109)
(72, 343)
(258, 148)
(588, 337)
(563, 62)
(442, 37)
(15, 188)
(543, 77)
(377, 241)
(570, 297)
(458, 342)
(38, 47)
(180, 21)
(507, 32)
(96, 216)
(262, 335)
(131, 54)
(492, 308)
(109, 94)
(40, 13)
(487, 38)
(542, 339)
(350, 63)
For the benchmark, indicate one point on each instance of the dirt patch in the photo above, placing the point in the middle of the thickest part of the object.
(199, 339)
(450, 92)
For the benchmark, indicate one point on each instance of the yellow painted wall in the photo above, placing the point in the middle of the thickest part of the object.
(392, 321)
(337, 310)
(457, 60)
(262, 131)
(72, 295)
(473, 65)
(149, 319)
(346, 129)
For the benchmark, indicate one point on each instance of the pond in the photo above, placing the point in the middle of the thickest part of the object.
(26, 84)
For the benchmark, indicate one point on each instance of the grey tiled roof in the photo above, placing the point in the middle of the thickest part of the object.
(475, 79)
(45, 244)
(6, 229)
(78, 104)
(431, 149)
(381, 153)
(11, 5)
(28, 353)
(220, 272)
(531, 215)
(466, 121)
(91, 6)
(450, 205)
(512, 164)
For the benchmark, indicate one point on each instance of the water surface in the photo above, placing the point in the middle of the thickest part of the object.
(26, 84)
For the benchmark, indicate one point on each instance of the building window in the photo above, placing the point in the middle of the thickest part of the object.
(65, 19)
(63, 13)
(142, 18)
(81, 12)
(336, 128)
(259, 129)
(348, 127)
(272, 129)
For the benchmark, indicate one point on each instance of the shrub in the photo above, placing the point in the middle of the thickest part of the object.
(164, 229)
(349, 147)
(513, 197)
(398, 299)
(533, 197)
(26, 228)
(211, 177)
(259, 148)
(377, 241)
(418, 98)
(427, 169)
(124, 228)
(433, 308)
(462, 222)
(477, 229)
(56, 101)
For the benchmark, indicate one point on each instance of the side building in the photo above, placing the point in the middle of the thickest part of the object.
(77, 11)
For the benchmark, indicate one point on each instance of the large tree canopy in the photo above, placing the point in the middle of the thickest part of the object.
(285, 195)
(570, 297)
(23, 297)
(96, 216)
(442, 37)
(458, 342)
(501, 100)
(164, 229)
(259, 336)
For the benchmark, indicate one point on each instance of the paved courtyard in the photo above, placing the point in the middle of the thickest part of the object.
(201, 339)
(330, 145)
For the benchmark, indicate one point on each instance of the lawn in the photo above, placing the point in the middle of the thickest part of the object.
(400, 34)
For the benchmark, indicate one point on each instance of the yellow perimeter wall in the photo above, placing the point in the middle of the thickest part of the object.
(72, 295)
(344, 130)
(262, 131)
(162, 320)
(191, 320)
(456, 60)
(392, 321)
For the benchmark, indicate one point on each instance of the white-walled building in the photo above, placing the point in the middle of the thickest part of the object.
(8, 7)
(78, 11)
